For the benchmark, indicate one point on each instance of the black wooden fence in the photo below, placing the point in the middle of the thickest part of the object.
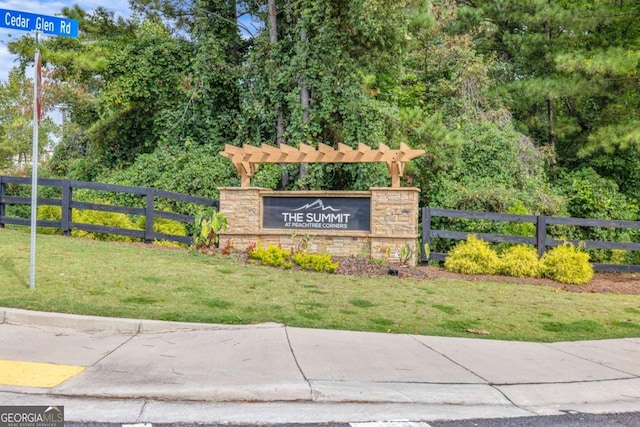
(541, 241)
(67, 203)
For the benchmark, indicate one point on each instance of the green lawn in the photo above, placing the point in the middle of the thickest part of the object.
(119, 280)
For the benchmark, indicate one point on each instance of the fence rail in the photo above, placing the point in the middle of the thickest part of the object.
(67, 204)
(541, 240)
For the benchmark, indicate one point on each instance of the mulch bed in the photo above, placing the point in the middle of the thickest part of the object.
(615, 283)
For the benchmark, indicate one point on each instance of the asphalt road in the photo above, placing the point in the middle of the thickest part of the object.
(629, 419)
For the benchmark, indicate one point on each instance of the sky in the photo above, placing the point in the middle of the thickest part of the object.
(45, 7)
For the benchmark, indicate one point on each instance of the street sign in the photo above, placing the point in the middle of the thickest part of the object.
(52, 25)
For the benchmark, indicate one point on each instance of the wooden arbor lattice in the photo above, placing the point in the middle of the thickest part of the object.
(247, 158)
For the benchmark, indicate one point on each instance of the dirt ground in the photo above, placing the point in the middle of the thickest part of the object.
(615, 283)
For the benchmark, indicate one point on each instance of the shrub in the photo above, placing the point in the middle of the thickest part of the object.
(168, 226)
(618, 256)
(275, 256)
(271, 255)
(567, 264)
(304, 260)
(519, 228)
(520, 261)
(315, 262)
(188, 168)
(589, 195)
(473, 256)
(208, 225)
(488, 168)
(165, 226)
(110, 219)
(49, 213)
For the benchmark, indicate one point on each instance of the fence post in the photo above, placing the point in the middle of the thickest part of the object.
(148, 214)
(67, 195)
(3, 193)
(426, 233)
(541, 234)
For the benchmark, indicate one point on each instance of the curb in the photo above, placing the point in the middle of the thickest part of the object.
(87, 323)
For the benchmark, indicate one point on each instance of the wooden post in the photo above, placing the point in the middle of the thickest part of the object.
(426, 232)
(148, 214)
(245, 180)
(67, 196)
(3, 193)
(541, 235)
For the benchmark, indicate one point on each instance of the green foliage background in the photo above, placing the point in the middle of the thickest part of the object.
(522, 106)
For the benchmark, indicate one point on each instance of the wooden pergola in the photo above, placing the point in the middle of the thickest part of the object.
(247, 158)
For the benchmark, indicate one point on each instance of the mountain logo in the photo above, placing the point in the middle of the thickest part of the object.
(317, 205)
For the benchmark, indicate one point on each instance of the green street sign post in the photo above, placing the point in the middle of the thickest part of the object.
(40, 24)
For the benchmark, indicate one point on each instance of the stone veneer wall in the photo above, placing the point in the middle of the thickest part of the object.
(394, 223)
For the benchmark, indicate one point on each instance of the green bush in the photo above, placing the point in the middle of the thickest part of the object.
(473, 256)
(490, 168)
(589, 195)
(315, 262)
(303, 260)
(191, 169)
(49, 213)
(272, 255)
(110, 219)
(208, 224)
(275, 256)
(618, 256)
(526, 229)
(165, 226)
(520, 261)
(168, 226)
(567, 264)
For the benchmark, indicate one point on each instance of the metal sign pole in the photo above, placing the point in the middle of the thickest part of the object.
(34, 167)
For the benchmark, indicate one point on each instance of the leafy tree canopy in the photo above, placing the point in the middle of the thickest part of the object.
(507, 98)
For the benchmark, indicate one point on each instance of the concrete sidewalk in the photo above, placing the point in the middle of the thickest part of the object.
(149, 371)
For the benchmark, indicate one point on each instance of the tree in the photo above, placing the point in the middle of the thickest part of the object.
(571, 69)
(305, 79)
(77, 72)
(214, 73)
(16, 121)
(494, 168)
(446, 95)
(137, 106)
(207, 36)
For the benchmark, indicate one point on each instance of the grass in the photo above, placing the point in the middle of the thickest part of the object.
(119, 280)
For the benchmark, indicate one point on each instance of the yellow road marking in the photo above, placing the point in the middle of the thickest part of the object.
(32, 374)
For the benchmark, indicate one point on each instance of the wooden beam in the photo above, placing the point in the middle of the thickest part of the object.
(293, 155)
(247, 158)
